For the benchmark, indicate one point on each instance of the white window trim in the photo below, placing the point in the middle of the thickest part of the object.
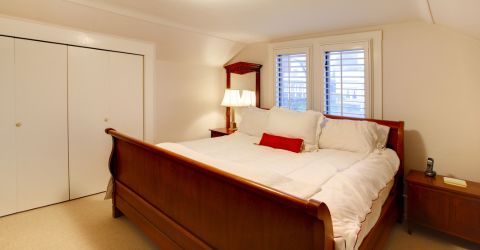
(291, 50)
(315, 82)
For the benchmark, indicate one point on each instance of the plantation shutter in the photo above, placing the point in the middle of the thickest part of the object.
(291, 81)
(345, 92)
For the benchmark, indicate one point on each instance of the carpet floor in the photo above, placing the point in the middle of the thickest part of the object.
(86, 223)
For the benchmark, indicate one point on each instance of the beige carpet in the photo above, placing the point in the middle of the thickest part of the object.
(80, 224)
(425, 239)
(87, 224)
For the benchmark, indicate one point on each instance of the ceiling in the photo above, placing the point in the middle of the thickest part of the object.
(259, 20)
(210, 32)
(461, 15)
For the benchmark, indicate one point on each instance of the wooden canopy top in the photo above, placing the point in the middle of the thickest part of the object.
(243, 68)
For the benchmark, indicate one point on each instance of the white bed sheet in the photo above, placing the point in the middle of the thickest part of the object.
(347, 182)
(370, 220)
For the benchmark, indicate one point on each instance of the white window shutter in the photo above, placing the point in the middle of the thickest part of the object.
(345, 83)
(291, 81)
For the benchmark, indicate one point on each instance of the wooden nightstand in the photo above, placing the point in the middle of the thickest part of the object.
(451, 209)
(216, 132)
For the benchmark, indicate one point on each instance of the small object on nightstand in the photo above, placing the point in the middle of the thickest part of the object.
(455, 182)
(429, 171)
(216, 132)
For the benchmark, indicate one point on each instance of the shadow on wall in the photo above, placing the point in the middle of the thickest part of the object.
(415, 151)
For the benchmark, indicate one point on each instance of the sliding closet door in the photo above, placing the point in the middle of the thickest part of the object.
(8, 169)
(41, 117)
(126, 93)
(88, 117)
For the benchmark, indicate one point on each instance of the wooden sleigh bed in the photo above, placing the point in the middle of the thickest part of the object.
(184, 204)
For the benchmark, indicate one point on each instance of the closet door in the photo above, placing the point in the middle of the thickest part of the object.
(8, 169)
(126, 93)
(41, 116)
(105, 90)
(88, 117)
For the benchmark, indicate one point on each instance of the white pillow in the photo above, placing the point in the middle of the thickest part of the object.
(254, 121)
(349, 135)
(288, 123)
(382, 132)
(321, 118)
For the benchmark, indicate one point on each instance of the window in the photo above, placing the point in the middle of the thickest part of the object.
(291, 80)
(345, 91)
(338, 75)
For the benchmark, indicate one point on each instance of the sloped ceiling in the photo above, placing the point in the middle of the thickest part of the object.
(461, 15)
(260, 20)
(212, 31)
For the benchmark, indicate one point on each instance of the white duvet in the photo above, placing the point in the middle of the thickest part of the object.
(347, 182)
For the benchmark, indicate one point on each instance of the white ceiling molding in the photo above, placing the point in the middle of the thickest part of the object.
(139, 15)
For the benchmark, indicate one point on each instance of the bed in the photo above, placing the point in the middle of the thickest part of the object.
(183, 203)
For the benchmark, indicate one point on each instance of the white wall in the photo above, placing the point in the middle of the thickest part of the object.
(188, 101)
(431, 80)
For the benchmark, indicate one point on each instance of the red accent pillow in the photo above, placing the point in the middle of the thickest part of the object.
(280, 142)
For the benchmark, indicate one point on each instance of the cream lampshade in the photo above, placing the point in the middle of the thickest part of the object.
(231, 98)
(248, 98)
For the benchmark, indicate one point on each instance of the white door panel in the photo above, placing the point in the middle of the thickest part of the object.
(88, 118)
(126, 93)
(41, 108)
(8, 169)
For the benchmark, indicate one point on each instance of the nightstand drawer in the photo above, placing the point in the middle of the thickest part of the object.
(427, 206)
(465, 217)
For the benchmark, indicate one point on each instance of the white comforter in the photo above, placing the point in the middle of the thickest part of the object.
(347, 182)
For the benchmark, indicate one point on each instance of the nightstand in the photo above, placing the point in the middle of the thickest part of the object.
(216, 132)
(451, 209)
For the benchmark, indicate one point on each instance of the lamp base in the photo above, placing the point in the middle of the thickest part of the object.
(233, 124)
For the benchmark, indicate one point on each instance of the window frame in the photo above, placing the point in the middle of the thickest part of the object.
(316, 88)
(348, 46)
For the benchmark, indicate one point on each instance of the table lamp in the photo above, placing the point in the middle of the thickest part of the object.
(248, 98)
(232, 99)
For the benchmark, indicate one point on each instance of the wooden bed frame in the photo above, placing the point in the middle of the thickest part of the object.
(184, 204)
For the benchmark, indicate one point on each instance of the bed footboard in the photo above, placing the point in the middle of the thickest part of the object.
(184, 204)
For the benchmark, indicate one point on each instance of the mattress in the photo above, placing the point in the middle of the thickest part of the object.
(349, 183)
